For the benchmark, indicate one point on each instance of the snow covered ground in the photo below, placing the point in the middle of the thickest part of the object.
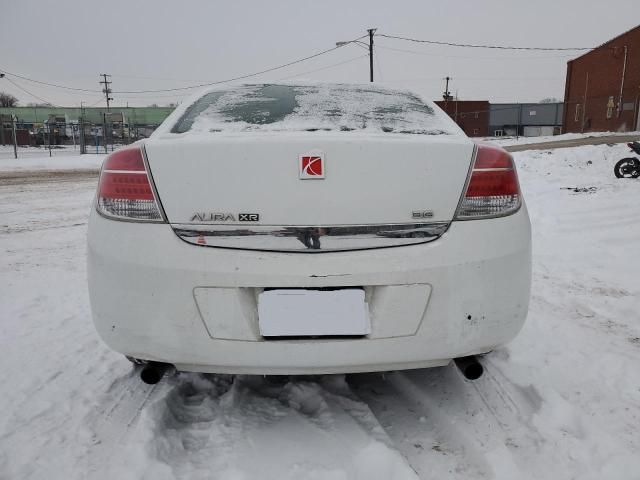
(560, 402)
(32, 158)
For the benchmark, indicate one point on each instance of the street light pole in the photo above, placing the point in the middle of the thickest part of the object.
(364, 45)
(371, 32)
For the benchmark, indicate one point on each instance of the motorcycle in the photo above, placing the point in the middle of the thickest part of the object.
(629, 167)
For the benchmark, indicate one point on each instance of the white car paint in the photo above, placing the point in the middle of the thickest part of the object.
(150, 291)
(157, 297)
(369, 178)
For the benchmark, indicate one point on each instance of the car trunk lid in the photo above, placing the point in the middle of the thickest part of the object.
(245, 181)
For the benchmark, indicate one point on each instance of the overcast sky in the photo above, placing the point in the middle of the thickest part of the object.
(160, 44)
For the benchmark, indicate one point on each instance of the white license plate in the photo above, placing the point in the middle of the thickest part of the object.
(313, 313)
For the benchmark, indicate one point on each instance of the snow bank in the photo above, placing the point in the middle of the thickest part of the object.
(37, 159)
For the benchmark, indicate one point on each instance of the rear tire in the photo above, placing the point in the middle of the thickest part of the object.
(627, 168)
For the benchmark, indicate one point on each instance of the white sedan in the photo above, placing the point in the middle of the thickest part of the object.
(306, 229)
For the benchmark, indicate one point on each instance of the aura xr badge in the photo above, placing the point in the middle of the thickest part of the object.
(214, 217)
(311, 166)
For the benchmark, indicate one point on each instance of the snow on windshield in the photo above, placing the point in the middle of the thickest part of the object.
(312, 108)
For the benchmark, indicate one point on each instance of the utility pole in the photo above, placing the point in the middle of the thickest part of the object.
(13, 131)
(106, 90)
(371, 32)
(82, 139)
(1, 121)
(447, 94)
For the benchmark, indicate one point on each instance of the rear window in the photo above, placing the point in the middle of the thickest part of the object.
(311, 108)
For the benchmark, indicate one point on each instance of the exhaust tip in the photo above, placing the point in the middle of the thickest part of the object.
(153, 372)
(470, 367)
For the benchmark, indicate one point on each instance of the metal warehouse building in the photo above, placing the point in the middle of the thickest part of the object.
(32, 124)
(134, 115)
(602, 90)
(527, 119)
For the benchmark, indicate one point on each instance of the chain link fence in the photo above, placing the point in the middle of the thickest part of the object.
(21, 139)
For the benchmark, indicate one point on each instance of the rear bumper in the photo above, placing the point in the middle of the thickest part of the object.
(156, 297)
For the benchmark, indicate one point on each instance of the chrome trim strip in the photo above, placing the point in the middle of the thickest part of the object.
(310, 239)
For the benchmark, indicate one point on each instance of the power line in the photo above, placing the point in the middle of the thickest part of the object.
(325, 68)
(190, 87)
(242, 77)
(176, 95)
(49, 84)
(430, 54)
(333, 65)
(96, 103)
(470, 45)
(30, 93)
(168, 79)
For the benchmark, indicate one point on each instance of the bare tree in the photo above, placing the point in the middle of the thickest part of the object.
(7, 100)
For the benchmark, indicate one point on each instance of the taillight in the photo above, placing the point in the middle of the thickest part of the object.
(125, 191)
(493, 189)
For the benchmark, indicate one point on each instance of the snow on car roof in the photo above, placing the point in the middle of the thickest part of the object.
(313, 107)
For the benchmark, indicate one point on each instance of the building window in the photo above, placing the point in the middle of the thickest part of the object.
(463, 115)
(477, 115)
(475, 131)
(610, 105)
(578, 112)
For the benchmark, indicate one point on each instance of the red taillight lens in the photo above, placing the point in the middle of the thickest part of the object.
(128, 186)
(125, 159)
(125, 190)
(492, 183)
(493, 189)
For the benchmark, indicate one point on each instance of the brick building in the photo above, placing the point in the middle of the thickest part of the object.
(602, 90)
(471, 115)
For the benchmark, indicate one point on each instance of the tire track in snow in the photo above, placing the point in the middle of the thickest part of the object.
(430, 441)
(448, 427)
(114, 417)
